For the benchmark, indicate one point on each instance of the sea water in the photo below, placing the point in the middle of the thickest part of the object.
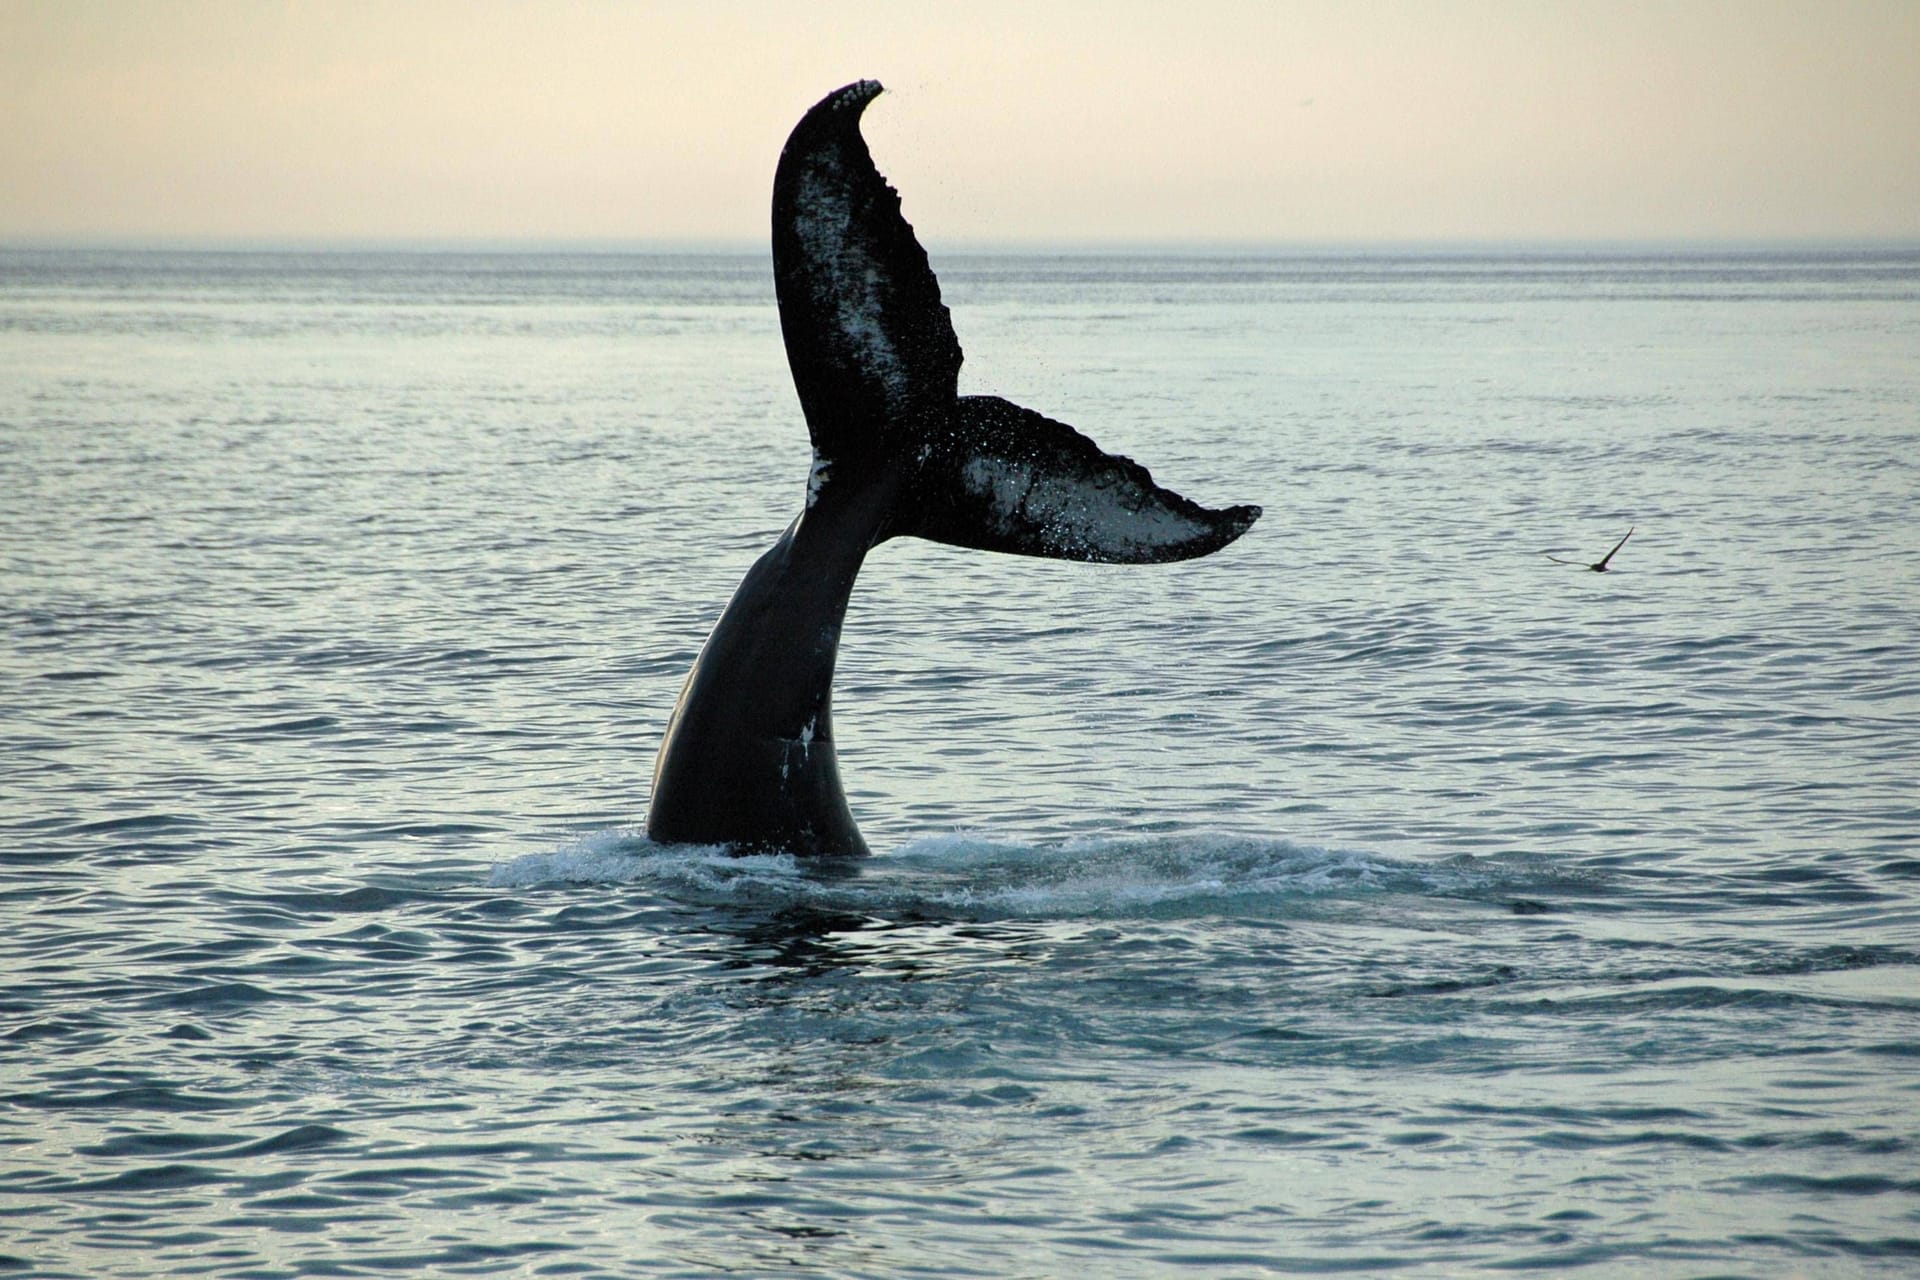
(1376, 895)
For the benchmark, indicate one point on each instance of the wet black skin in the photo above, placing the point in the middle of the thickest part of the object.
(748, 759)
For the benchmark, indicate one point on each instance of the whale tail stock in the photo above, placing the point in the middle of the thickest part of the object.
(876, 363)
(748, 758)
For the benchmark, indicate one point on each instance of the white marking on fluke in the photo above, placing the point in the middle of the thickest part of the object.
(1070, 514)
(816, 478)
(849, 282)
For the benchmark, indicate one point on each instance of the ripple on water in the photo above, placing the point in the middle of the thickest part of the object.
(1373, 896)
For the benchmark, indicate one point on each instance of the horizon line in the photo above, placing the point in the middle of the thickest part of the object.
(1015, 246)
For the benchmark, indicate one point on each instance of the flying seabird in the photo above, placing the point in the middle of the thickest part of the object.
(1600, 565)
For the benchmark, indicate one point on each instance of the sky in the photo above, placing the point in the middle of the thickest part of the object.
(1117, 120)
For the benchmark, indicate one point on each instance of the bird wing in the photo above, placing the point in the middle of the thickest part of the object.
(1616, 547)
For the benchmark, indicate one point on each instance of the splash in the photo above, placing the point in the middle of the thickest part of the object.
(970, 876)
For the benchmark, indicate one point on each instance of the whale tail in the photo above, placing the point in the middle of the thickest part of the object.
(877, 366)
(748, 759)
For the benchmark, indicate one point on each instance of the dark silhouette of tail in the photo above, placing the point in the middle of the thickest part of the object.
(749, 759)
(877, 366)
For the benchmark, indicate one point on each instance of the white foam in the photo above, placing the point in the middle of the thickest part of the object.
(1123, 875)
(621, 856)
(600, 858)
(971, 876)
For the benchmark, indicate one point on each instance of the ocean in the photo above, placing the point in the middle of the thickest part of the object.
(1375, 896)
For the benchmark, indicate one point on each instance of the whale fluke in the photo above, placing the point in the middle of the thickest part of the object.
(748, 758)
(1004, 478)
(869, 342)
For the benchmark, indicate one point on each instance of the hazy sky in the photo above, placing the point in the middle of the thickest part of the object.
(1269, 120)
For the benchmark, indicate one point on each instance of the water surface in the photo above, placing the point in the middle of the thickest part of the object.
(1372, 896)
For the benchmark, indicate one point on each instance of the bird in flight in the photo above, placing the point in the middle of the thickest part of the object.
(1600, 565)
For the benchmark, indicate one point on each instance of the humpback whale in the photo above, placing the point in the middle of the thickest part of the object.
(748, 757)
